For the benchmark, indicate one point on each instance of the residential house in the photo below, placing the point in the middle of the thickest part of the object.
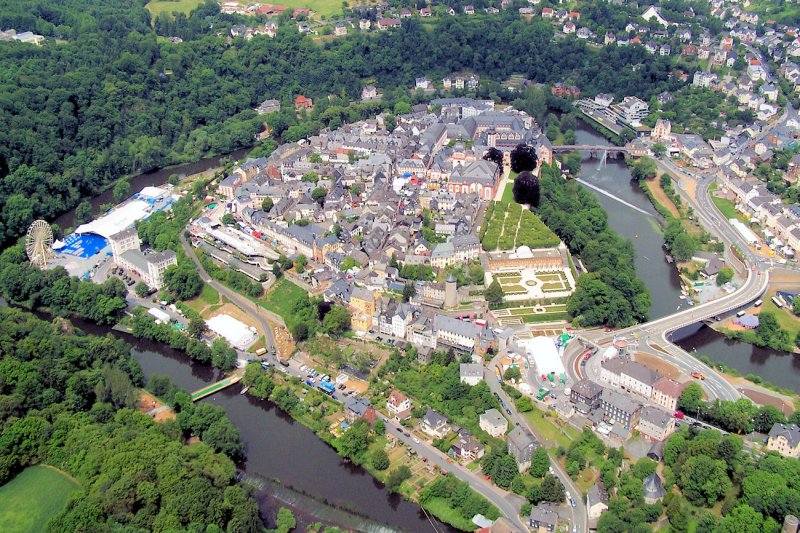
(521, 445)
(655, 423)
(359, 409)
(398, 405)
(301, 103)
(585, 394)
(471, 373)
(467, 447)
(453, 333)
(662, 131)
(268, 106)
(460, 249)
(493, 423)
(543, 516)
(435, 424)
(370, 92)
(596, 502)
(619, 409)
(637, 378)
(666, 392)
(362, 305)
(785, 439)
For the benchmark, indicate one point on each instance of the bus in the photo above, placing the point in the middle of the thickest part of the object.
(261, 351)
(778, 303)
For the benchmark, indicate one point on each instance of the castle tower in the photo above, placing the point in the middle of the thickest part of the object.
(450, 292)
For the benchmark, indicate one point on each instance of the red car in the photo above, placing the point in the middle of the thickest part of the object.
(679, 415)
(587, 354)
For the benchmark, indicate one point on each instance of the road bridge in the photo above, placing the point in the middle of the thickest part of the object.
(599, 151)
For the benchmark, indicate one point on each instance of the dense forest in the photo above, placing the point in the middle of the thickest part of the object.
(66, 400)
(105, 97)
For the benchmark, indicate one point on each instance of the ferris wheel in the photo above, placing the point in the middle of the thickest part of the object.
(38, 242)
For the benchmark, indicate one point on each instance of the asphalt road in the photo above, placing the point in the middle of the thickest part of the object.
(579, 516)
(243, 302)
(508, 503)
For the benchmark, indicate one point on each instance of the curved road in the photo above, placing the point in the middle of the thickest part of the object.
(580, 518)
(243, 302)
(508, 503)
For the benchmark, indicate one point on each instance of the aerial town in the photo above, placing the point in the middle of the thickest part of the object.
(417, 288)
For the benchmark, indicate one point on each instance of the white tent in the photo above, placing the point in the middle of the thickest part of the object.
(117, 220)
(237, 333)
(543, 355)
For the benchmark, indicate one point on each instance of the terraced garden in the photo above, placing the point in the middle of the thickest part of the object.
(508, 226)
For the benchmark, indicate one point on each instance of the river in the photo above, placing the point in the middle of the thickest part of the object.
(278, 448)
(152, 178)
(661, 278)
(631, 214)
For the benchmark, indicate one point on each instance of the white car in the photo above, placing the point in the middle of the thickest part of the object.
(416, 440)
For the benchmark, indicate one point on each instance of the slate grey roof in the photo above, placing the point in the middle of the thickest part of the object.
(434, 419)
(458, 327)
(543, 514)
(639, 372)
(471, 370)
(655, 416)
(519, 439)
(587, 388)
(653, 487)
(790, 431)
(623, 403)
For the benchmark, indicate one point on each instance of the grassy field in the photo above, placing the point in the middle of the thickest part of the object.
(787, 320)
(281, 298)
(552, 433)
(508, 193)
(179, 6)
(32, 498)
(728, 209)
(441, 509)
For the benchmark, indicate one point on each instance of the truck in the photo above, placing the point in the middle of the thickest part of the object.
(543, 392)
(327, 387)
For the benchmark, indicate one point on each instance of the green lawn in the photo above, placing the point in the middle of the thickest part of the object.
(31, 499)
(728, 209)
(178, 6)
(553, 434)
(785, 317)
(209, 294)
(281, 298)
(508, 193)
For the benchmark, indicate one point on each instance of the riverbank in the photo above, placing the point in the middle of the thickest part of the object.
(327, 420)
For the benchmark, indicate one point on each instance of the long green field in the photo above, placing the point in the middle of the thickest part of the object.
(178, 6)
(728, 209)
(31, 499)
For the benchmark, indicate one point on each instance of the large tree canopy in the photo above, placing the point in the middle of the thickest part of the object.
(526, 189)
(523, 157)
